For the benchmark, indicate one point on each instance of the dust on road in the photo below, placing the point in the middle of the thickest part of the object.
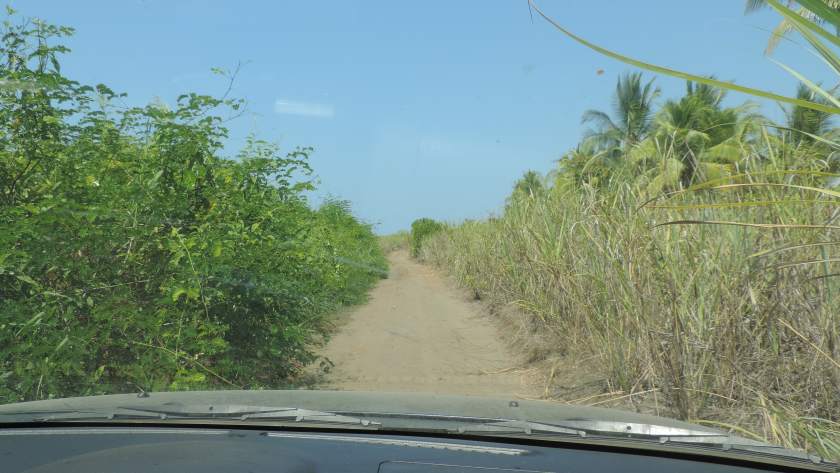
(419, 334)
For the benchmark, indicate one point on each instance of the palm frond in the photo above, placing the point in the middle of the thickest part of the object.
(599, 118)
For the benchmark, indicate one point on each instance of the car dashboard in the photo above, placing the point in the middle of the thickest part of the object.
(199, 449)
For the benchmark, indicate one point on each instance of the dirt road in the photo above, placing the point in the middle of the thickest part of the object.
(419, 334)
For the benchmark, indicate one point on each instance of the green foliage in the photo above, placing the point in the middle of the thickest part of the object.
(132, 255)
(395, 241)
(804, 123)
(694, 139)
(586, 165)
(529, 186)
(421, 229)
(693, 124)
(632, 115)
(785, 26)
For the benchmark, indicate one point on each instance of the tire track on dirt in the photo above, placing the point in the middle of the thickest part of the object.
(417, 333)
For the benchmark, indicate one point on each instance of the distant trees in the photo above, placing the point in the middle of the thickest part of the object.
(421, 229)
(805, 123)
(530, 184)
(686, 140)
(631, 119)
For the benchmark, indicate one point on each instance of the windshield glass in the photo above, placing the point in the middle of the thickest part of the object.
(626, 205)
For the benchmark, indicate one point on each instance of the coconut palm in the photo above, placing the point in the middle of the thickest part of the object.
(696, 122)
(631, 119)
(784, 26)
(529, 185)
(806, 122)
(586, 164)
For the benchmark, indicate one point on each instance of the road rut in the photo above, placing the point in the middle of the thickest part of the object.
(417, 333)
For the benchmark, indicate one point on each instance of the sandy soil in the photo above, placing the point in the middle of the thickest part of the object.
(419, 334)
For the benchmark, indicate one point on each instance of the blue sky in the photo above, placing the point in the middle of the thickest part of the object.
(429, 108)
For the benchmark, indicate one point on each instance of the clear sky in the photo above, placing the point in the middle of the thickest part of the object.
(427, 108)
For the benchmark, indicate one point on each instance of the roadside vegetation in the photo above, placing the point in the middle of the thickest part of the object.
(395, 241)
(135, 256)
(421, 229)
(688, 251)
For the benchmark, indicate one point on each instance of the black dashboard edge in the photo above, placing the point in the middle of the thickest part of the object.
(612, 445)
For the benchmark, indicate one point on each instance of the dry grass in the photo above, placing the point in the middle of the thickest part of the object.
(679, 320)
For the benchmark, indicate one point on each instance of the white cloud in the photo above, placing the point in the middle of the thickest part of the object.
(306, 109)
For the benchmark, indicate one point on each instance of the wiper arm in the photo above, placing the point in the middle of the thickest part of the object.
(74, 414)
(634, 429)
(197, 412)
(244, 412)
(516, 426)
(650, 432)
(583, 428)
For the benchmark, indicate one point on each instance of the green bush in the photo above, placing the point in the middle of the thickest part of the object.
(133, 255)
(421, 229)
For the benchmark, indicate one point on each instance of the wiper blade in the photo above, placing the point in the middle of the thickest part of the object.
(649, 432)
(515, 426)
(74, 414)
(583, 428)
(634, 429)
(244, 412)
(196, 412)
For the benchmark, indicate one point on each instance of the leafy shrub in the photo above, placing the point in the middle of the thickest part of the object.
(421, 229)
(133, 255)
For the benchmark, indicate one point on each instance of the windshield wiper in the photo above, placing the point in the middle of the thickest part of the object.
(194, 412)
(583, 428)
(629, 430)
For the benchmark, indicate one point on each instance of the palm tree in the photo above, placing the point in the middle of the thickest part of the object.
(784, 26)
(805, 120)
(694, 123)
(586, 164)
(632, 115)
(529, 185)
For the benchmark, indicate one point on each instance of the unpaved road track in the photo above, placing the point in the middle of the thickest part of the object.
(418, 334)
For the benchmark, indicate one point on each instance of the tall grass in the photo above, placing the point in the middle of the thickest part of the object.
(720, 303)
(688, 313)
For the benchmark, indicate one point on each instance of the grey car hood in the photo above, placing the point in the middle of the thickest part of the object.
(355, 401)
